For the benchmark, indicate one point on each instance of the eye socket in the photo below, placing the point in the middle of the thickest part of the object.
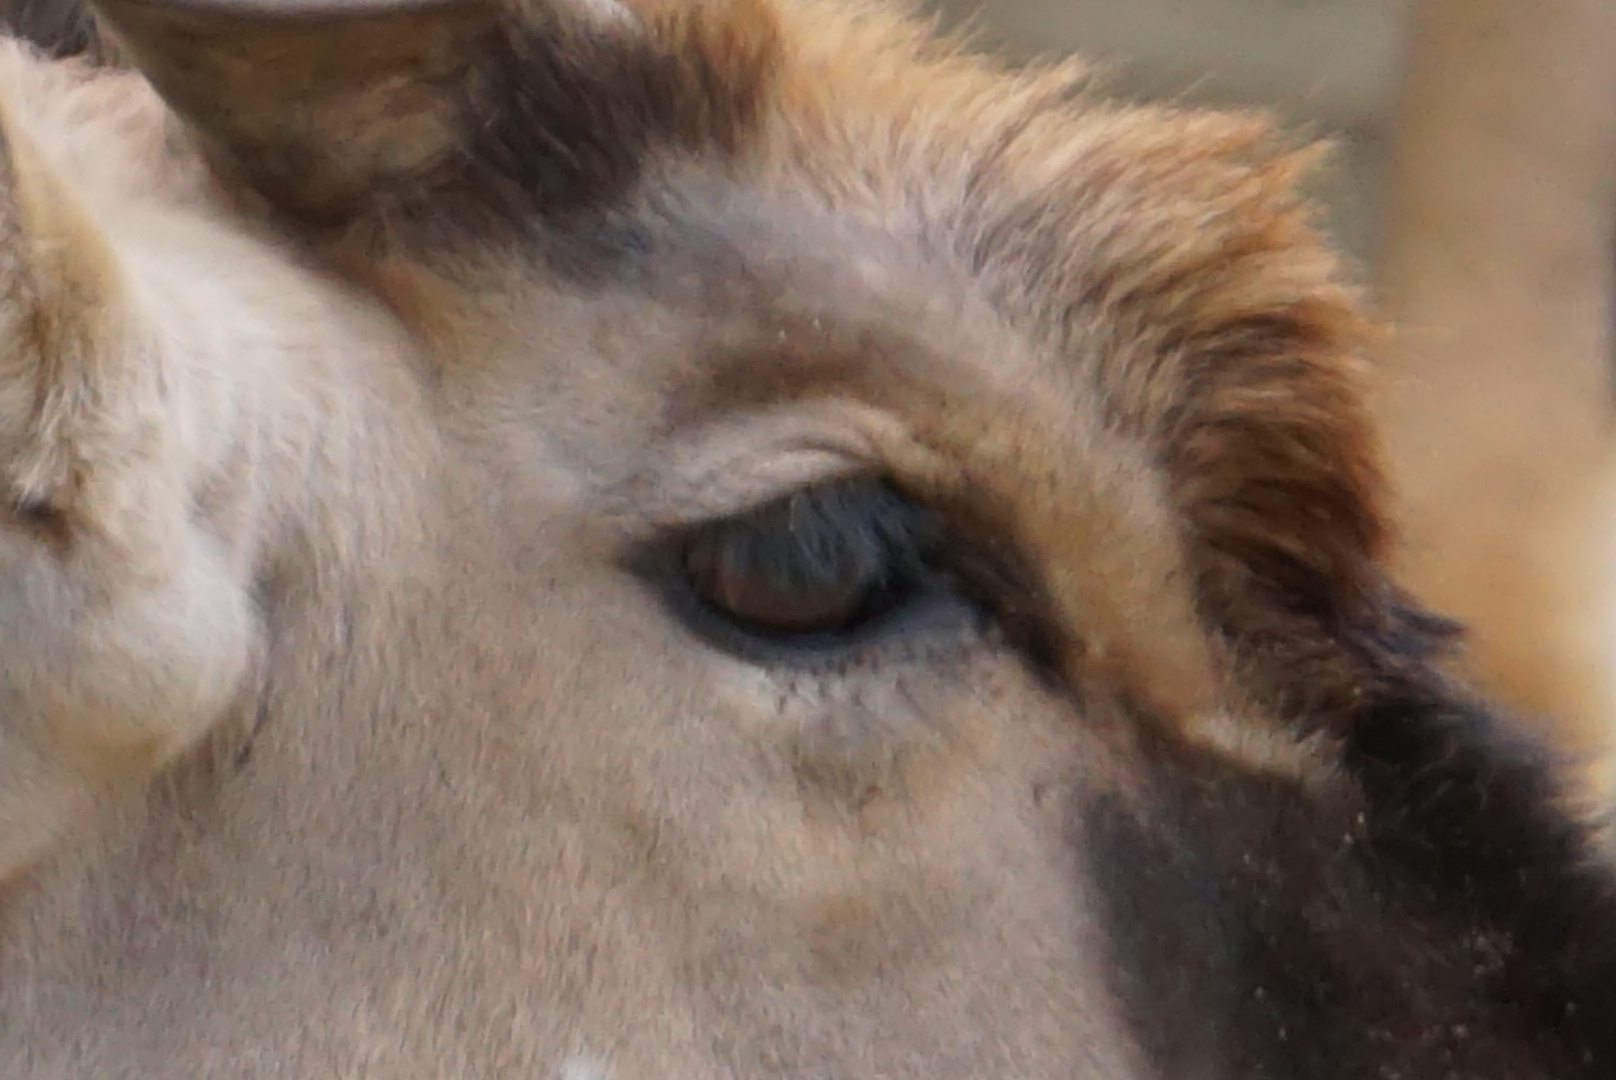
(840, 566)
(814, 568)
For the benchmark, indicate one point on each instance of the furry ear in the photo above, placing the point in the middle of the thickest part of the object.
(331, 108)
(315, 103)
(63, 299)
(127, 629)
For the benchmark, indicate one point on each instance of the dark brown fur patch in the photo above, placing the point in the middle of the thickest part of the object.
(458, 118)
(1437, 917)
(57, 28)
(566, 111)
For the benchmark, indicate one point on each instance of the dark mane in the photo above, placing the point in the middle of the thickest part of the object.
(1471, 813)
(1443, 914)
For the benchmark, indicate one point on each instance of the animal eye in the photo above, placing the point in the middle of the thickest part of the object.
(816, 567)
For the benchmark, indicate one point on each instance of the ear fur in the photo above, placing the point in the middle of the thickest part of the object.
(116, 652)
(62, 297)
(332, 109)
(315, 105)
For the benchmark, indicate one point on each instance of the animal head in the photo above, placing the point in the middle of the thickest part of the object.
(732, 538)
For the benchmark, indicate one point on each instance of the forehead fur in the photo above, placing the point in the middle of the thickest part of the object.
(1166, 257)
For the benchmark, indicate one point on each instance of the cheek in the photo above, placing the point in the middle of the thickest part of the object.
(897, 868)
(918, 782)
(102, 682)
(151, 670)
(849, 864)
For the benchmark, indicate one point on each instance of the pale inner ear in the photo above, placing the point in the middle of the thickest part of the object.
(60, 283)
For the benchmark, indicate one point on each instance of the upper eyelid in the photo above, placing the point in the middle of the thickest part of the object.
(665, 503)
(748, 461)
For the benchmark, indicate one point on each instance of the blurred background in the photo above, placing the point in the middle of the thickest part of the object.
(1330, 63)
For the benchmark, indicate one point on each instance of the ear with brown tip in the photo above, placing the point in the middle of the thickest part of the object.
(329, 108)
(315, 103)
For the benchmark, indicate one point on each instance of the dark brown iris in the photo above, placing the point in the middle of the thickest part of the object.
(724, 577)
(819, 561)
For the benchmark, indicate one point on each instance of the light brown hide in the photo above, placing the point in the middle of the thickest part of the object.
(503, 816)
(477, 803)
(1498, 270)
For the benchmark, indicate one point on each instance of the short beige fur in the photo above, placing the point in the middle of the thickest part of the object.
(338, 740)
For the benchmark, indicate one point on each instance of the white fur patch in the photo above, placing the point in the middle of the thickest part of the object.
(582, 1068)
(607, 11)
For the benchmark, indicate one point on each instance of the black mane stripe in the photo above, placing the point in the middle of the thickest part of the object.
(1479, 819)
(1446, 916)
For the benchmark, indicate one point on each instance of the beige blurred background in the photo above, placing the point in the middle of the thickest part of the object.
(1332, 64)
